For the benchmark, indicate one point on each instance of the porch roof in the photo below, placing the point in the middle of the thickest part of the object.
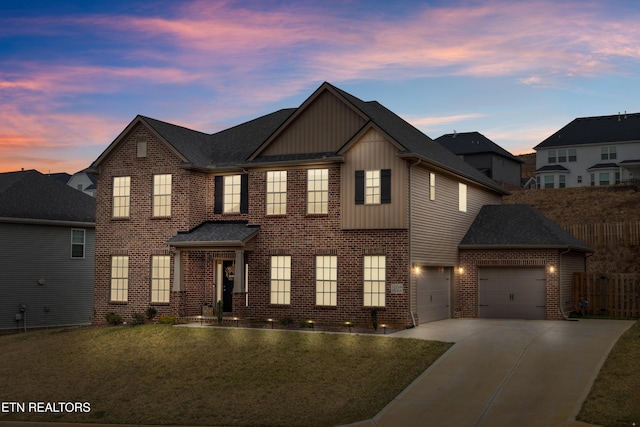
(216, 234)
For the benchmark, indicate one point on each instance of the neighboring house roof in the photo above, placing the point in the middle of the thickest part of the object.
(30, 195)
(594, 130)
(63, 177)
(603, 166)
(550, 168)
(517, 226)
(216, 234)
(466, 143)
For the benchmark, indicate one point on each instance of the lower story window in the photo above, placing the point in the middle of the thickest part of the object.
(280, 279)
(374, 280)
(119, 278)
(326, 280)
(549, 181)
(160, 277)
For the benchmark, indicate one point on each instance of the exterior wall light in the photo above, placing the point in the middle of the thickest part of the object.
(552, 269)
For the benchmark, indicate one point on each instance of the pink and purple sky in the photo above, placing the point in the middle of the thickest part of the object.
(73, 74)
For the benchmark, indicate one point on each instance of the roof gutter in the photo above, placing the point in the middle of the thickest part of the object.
(36, 221)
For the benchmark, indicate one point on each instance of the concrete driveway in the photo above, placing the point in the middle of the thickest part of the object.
(504, 373)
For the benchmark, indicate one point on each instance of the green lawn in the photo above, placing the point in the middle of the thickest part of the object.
(159, 374)
(614, 399)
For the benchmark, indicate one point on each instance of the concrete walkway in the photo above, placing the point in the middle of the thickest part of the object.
(504, 373)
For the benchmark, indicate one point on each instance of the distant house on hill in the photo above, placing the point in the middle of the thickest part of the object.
(591, 151)
(485, 155)
(48, 232)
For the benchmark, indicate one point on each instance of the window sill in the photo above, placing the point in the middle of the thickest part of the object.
(119, 302)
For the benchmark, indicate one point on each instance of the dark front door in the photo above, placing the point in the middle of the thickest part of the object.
(228, 276)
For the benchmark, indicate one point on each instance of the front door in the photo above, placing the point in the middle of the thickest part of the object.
(228, 276)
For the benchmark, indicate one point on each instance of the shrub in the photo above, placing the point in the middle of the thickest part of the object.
(219, 308)
(137, 319)
(306, 324)
(374, 318)
(167, 320)
(151, 313)
(113, 318)
(286, 321)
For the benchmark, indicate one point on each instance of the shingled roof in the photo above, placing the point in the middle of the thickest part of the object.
(594, 130)
(517, 226)
(30, 195)
(465, 143)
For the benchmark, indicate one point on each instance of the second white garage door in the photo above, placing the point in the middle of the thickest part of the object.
(433, 286)
(512, 293)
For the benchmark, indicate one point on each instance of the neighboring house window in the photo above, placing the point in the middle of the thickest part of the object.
(79, 187)
(374, 280)
(562, 156)
(593, 180)
(608, 153)
(121, 199)
(562, 181)
(232, 192)
(617, 177)
(326, 279)
(119, 278)
(373, 187)
(280, 279)
(603, 178)
(552, 156)
(572, 155)
(162, 195)
(77, 243)
(276, 192)
(432, 186)
(318, 191)
(579, 179)
(462, 197)
(160, 274)
(549, 181)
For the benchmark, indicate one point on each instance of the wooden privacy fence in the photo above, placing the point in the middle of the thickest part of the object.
(623, 233)
(616, 294)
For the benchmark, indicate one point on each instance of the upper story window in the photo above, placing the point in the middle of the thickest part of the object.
(318, 191)
(552, 156)
(573, 155)
(462, 197)
(232, 192)
(121, 198)
(77, 243)
(608, 153)
(562, 156)
(432, 186)
(162, 195)
(373, 187)
(276, 192)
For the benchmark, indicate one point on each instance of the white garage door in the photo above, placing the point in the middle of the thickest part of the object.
(511, 293)
(433, 288)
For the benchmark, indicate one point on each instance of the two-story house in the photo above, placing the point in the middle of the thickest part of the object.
(323, 212)
(591, 151)
(486, 156)
(47, 230)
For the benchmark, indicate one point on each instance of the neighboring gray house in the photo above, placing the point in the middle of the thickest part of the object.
(48, 234)
(591, 151)
(484, 155)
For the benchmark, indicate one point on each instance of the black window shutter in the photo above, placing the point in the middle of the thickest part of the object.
(244, 193)
(359, 187)
(217, 195)
(385, 186)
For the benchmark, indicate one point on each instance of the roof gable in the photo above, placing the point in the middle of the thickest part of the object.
(31, 195)
(596, 130)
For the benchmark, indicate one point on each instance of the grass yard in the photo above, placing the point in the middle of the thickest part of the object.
(159, 374)
(614, 400)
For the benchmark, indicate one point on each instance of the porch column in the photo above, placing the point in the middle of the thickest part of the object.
(238, 282)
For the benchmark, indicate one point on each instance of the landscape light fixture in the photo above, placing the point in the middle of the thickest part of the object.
(270, 320)
(384, 327)
(349, 325)
(236, 319)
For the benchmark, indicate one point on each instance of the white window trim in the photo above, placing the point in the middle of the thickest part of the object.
(121, 199)
(326, 280)
(432, 186)
(232, 198)
(317, 191)
(160, 279)
(276, 192)
(162, 198)
(462, 197)
(372, 187)
(119, 278)
(83, 244)
(374, 283)
(280, 280)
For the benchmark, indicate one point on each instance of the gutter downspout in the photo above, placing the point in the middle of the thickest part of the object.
(561, 307)
(413, 319)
